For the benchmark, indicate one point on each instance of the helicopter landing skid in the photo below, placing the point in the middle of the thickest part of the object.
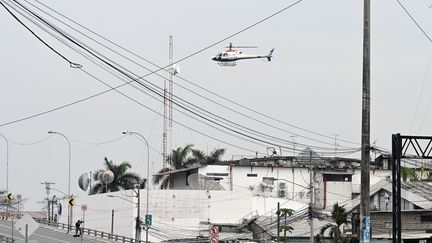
(227, 64)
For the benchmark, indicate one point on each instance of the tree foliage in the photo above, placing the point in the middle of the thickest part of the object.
(339, 216)
(409, 174)
(123, 178)
(185, 157)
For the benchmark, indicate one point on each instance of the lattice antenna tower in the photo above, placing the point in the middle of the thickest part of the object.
(167, 125)
(170, 91)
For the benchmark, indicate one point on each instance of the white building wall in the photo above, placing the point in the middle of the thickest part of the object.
(176, 213)
(338, 192)
(375, 176)
(99, 210)
(242, 178)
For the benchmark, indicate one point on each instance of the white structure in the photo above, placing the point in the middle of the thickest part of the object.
(176, 213)
(228, 193)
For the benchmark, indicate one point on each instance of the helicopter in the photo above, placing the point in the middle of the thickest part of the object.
(230, 56)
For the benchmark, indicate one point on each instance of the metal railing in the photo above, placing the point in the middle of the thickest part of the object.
(91, 232)
(247, 217)
(5, 239)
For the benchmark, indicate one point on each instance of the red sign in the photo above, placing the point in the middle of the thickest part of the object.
(214, 230)
(214, 240)
(84, 207)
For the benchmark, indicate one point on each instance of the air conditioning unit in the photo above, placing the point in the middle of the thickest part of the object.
(282, 185)
(282, 193)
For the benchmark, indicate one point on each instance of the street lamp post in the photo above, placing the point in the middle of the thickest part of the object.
(7, 172)
(148, 177)
(7, 161)
(69, 176)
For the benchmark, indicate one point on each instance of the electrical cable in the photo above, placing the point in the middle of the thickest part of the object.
(115, 88)
(63, 35)
(123, 72)
(132, 53)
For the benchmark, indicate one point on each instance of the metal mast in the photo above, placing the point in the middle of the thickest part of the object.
(167, 108)
(365, 133)
(170, 91)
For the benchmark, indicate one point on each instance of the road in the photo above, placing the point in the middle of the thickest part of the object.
(42, 235)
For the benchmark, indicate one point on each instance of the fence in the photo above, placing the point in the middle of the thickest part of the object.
(91, 232)
(5, 239)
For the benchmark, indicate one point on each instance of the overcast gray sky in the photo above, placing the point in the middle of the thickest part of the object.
(313, 82)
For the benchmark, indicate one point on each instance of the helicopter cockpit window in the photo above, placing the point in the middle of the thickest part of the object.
(225, 54)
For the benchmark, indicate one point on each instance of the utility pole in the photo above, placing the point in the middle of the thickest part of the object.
(335, 135)
(365, 133)
(112, 222)
(278, 221)
(47, 189)
(311, 191)
(292, 168)
(138, 219)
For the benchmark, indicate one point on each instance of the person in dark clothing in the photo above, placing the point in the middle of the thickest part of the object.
(78, 227)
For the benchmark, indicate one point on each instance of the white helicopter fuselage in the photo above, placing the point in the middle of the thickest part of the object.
(235, 55)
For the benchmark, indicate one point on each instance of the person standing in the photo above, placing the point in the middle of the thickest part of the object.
(78, 228)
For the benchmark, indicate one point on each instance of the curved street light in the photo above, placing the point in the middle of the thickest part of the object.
(148, 175)
(69, 173)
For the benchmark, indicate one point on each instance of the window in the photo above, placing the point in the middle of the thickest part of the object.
(217, 174)
(426, 218)
(252, 175)
(268, 180)
(338, 177)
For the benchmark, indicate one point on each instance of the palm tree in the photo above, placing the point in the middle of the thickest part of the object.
(409, 174)
(179, 159)
(286, 212)
(200, 158)
(123, 179)
(339, 216)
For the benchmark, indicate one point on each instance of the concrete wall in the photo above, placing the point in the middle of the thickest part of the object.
(411, 221)
(375, 176)
(250, 178)
(176, 213)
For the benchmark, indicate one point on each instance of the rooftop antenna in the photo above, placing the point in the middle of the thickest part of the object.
(170, 91)
(47, 190)
(167, 111)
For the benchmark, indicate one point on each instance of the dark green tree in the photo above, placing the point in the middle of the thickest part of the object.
(339, 216)
(179, 158)
(201, 158)
(409, 174)
(285, 213)
(123, 178)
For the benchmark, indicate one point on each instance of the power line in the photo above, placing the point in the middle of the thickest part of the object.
(202, 88)
(123, 72)
(81, 46)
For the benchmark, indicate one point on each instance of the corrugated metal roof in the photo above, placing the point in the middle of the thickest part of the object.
(179, 170)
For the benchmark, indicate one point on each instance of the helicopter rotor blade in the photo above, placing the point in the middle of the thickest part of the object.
(241, 47)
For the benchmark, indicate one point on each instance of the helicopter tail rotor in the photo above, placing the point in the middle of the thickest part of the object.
(270, 55)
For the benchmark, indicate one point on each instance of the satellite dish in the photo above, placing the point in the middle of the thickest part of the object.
(83, 182)
(176, 69)
(107, 177)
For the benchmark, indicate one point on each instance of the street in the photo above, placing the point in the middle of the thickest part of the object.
(41, 235)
